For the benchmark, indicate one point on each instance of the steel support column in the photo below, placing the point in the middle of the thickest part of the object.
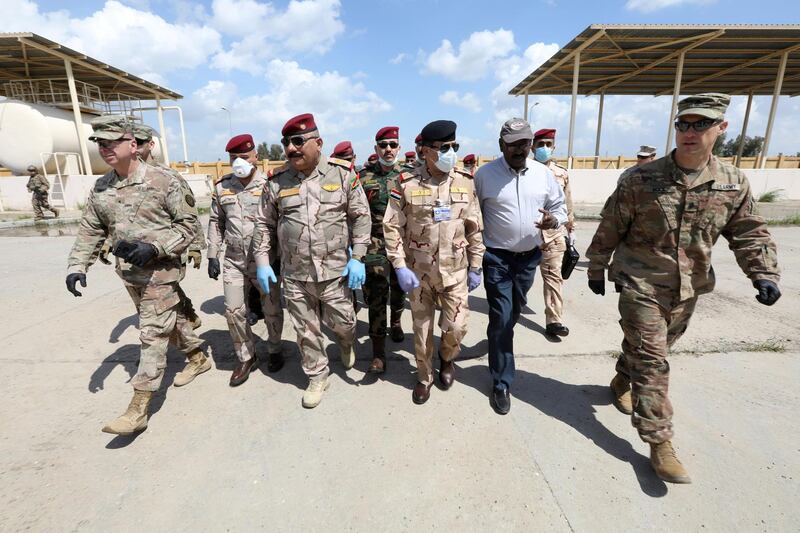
(738, 161)
(575, 74)
(599, 129)
(76, 112)
(676, 92)
(773, 108)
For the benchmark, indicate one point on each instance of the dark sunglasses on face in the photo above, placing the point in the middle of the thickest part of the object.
(388, 144)
(446, 147)
(297, 141)
(698, 125)
(104, 143)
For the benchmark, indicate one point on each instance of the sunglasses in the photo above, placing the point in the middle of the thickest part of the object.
(297, 141)
(446, 147)
(104, 143)
(698, 125)
(388, 144)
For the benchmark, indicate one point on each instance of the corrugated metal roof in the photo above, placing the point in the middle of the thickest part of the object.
(643, 59)
(26, 56)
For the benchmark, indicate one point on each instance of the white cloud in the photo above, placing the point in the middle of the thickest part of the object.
(648, 6)
(468, 101)
(476, 55)
(306, 26)
(399, 58)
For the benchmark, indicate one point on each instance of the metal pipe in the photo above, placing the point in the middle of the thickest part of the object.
(676, 92)
(160, 111)
(738, 161)
(180, 120)
(76, 111)
(599, 129)
(575, 73)
(773, 108)
(525, 109)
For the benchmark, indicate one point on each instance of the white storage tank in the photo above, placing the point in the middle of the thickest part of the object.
(28, 130)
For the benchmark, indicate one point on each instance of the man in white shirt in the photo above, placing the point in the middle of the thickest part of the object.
(519, 198)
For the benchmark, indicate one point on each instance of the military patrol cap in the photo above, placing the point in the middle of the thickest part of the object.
(516, 129)
(388, 132)
(409, 155)
(32, 167)
(110, 127)
(343, 149)
(709, 105)
(240, 144)
(439, 131)
(372, 158)
(299, 125)
(544, 133)
(469, 159)
(646, 151)
(143, 132)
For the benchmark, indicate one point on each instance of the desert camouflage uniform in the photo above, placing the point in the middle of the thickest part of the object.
(438, 252)
(314, 219)
(381, 286)
(661, 231)
(553, 248)
(39, 186)
(232, 221)
(152, 206)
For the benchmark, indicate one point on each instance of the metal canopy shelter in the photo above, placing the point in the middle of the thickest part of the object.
(37, 69)
(655, 59)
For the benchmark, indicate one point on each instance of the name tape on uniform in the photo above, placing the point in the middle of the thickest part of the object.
(421, 192)
(289, 192)
(725, 186)
(459, 189)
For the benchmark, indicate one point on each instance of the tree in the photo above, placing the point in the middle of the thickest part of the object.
(271, 152)
(719, 145)
(263, 151)
(752, 146)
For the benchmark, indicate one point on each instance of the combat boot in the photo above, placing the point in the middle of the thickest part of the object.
(666, 464)
(135, 418)
(198, 363)
(348, 356)
(313, 394)
(378, 365)
(396, 330)
(621, 388)
(55, 212)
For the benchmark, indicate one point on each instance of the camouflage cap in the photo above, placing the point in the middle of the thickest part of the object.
(110, 127)
(143, 132)
(31, 167)
(709, 105)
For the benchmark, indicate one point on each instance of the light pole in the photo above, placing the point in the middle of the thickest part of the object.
(528, 111)
(230, 127)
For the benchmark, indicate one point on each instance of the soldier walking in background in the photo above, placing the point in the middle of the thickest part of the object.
(234, 206)
(315, 210)
(645, 155)
(661, 224)
(38, 185)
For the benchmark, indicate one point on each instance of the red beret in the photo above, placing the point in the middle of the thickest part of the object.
(240, 144)
(418, 139)
(343, 149)
(298, 125)
(469, 159)
(544, 133)
(388, 132)
(372, 158)
(411, 154)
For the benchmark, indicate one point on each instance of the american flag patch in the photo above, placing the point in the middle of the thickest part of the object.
(394, 193)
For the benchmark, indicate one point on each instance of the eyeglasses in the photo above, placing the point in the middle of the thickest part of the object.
(297, 141)
(446, 147)
(698, 125)
(105, 143)
(388, 144)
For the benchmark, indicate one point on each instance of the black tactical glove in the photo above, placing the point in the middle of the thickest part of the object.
(72, 279)
(768, 292)
(135, 252)
(598, 286)
(213, 268)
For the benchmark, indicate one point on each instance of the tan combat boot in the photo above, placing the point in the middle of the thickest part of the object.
(198, 363)
(666, 464)
(348, 356)
(621, 388)
(313, 394)
(135, 418)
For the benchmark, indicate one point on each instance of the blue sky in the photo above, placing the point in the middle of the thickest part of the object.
(361, 65)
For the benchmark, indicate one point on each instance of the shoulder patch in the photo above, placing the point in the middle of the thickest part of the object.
(341, 163)
(394, 193)
(356, 183)
(189, 199)
(404, 177)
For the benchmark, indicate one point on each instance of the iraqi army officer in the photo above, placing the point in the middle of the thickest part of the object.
(233, 212)
(150, 216)
(38, 185)
(661, 224)
(316, 209)
(432, 228)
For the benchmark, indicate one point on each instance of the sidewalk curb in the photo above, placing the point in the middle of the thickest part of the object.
(28, 222)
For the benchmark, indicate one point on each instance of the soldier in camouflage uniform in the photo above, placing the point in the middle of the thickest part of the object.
(432, 229)
(150, 216)
(316, 209)
(381, 286)
(234, 205)
(554, 240)
(661, 224)
(645, 155)
(38, 185)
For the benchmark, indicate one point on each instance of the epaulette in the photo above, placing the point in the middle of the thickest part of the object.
(463, 173)
(404, 177)
(559, 166)
(277, 170)
(341, 163)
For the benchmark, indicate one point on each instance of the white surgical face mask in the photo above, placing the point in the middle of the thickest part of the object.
(241, 168)
(446, 160)
(385, 163)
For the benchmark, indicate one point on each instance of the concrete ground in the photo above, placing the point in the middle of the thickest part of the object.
(367, 459)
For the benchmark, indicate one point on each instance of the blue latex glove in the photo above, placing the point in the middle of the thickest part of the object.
(473, 280)
(356, 274)
(407, 279)
(265, 274)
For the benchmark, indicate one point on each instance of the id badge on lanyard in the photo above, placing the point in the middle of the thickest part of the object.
(441, 212)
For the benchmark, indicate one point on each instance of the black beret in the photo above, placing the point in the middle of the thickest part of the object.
(439, 131)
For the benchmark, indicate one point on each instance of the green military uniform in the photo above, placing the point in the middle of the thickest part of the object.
(38, 185)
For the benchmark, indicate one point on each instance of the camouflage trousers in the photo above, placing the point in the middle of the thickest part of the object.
(311, 304)
(39, 201)
(382, 288)
(161, 322)
(236, 286)
(452, 320)
(650, 330)
(550, 266)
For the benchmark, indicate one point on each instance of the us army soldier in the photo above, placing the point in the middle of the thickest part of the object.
(316, 209)
(661, 224)
(38, 185)
(432, 228)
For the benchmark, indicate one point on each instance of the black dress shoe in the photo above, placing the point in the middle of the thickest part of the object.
(242, 371)
(274, 362)
(558, 329)
(501, 401)
(447, 372)
(396, 333)
(421, 393)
